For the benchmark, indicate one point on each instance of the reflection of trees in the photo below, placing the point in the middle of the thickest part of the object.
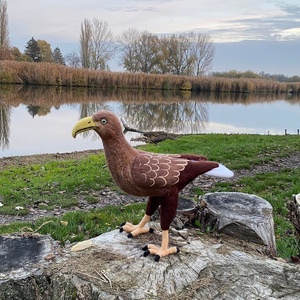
(38, 110)
(87, 109)
(33, 109)
(187, 117)
(15, 95)
(5, 112)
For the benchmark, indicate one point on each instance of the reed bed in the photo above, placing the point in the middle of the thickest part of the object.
(49, 74)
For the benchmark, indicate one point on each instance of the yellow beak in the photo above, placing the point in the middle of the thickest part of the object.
(82, 125)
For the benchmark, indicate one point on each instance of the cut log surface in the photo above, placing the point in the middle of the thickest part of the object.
(114, 268)
(243, 216)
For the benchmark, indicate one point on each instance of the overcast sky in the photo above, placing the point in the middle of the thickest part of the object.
(260, 35)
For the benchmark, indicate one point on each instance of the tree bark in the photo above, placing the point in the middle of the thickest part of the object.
(114, 268)
(294, 208)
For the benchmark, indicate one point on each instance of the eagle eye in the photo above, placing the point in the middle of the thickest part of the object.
(103, 121)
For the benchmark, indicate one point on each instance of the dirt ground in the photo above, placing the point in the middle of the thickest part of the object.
(108, 197)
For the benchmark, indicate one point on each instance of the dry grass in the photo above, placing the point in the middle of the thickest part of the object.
(50, 74)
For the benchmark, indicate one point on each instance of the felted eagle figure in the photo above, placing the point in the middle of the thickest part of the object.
(158, 176)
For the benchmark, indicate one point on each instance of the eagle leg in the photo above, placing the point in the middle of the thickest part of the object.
(168, 207)
(163, 250)
(135, 230)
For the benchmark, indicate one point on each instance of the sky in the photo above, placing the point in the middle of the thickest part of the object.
(257, 35)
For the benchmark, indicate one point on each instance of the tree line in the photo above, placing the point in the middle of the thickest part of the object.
(141, 51)
(137, 51)
(251, 74)
(189, 54)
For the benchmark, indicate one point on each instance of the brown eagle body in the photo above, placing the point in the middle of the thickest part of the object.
(140, 173)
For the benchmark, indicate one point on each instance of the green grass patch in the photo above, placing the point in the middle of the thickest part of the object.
(78, 226)
(61, 183)
(58, 183)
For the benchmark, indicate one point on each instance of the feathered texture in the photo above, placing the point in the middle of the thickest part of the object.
(140, 173)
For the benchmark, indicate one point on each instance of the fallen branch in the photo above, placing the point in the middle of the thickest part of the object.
(101, 276)
(149, 136)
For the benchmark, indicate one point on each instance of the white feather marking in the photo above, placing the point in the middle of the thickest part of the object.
(220, 171)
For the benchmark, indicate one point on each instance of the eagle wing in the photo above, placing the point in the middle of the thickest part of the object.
(150, 170)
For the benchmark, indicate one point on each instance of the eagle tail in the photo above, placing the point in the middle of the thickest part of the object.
(220, 171)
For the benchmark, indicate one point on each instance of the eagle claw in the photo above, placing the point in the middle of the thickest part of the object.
(146, 253)
(145, 248)
(151, 230)
(121, 227)
(130, 236)
(157, 258)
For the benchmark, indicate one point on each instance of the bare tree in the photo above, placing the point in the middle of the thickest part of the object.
(138, 51)
(185, 54)
(72, 59)
(146, 52)
(4, 31)
(127, 41)
(204, 51)
(102, 45)
(96, 44)
(163, 56)
(181, 57)
(85, 43)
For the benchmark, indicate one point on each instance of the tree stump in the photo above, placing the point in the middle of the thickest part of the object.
(243, 216)
(185, 213)
(294, 208)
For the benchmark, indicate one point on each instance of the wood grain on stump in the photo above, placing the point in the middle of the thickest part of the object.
(241, 215)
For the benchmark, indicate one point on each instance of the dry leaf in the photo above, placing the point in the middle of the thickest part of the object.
(82, 245)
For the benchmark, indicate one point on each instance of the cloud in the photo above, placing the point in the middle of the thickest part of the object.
(280, 22)
(225, 21)
(133, 9)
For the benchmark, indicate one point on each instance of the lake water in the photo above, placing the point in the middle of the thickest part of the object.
(36, 121)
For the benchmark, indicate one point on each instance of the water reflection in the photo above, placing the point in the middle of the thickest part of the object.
(38, 120)
(5, 112)
(183, 117)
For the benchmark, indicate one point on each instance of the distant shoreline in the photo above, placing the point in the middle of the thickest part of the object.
(51, 74)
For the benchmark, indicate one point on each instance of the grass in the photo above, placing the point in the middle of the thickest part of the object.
(77, 226)
(54, 183)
